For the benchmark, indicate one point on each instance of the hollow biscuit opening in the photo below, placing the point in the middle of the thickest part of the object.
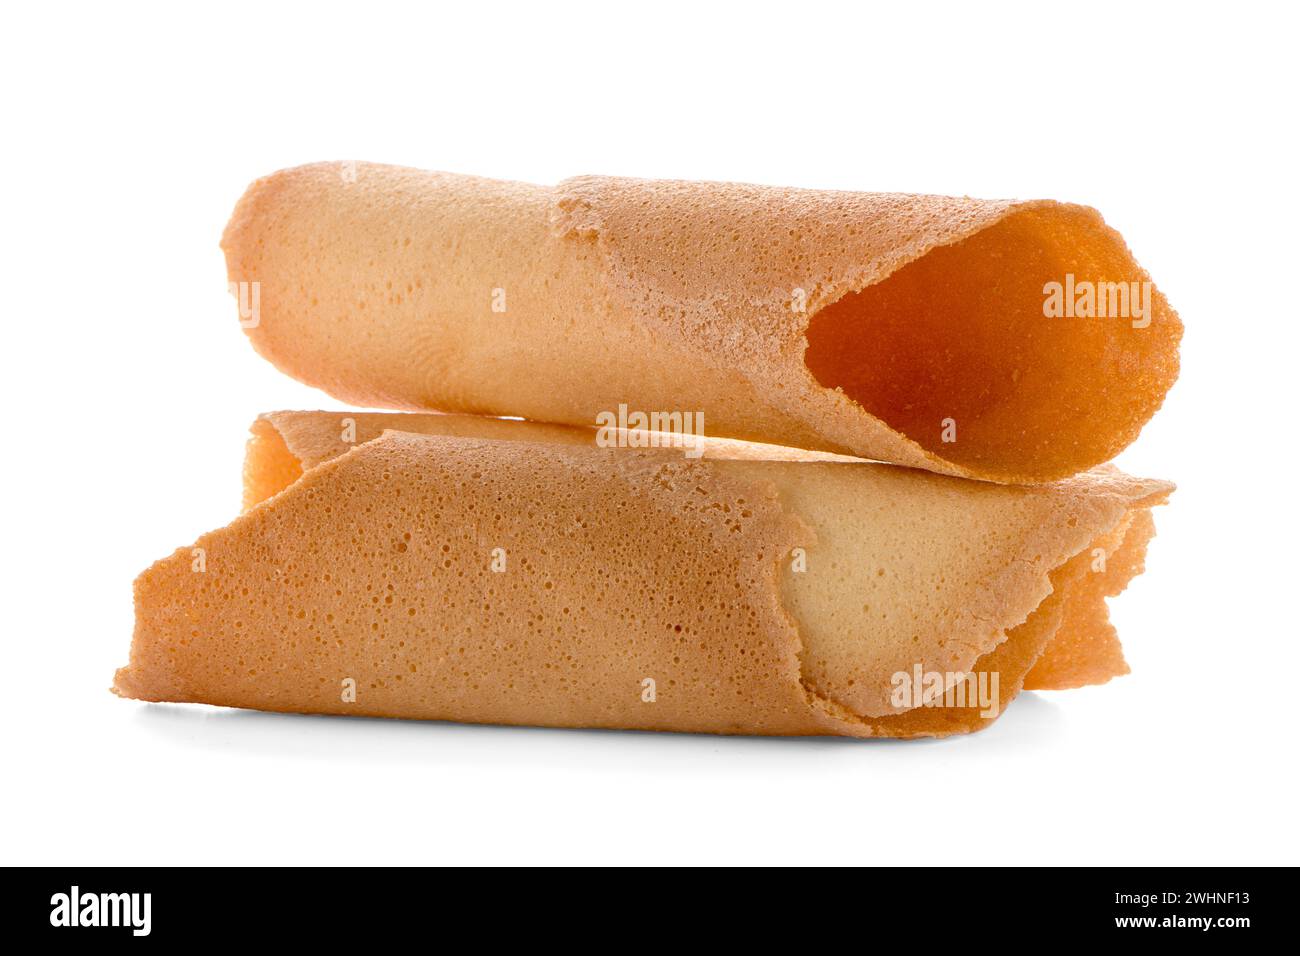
(269, 465)
(954, 350)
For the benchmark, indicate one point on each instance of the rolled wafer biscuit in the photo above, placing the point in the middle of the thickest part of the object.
(430, 573)
(1001, 340)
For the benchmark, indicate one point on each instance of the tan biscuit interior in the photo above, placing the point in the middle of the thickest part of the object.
(857, 323)
(374, 563)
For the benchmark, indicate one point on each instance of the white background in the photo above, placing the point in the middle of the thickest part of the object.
(130, 133)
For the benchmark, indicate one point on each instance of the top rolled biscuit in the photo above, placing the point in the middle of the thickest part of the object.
(1000, 340)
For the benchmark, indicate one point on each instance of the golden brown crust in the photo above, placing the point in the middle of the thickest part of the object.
(712, 266)
(1086, 648)
(396, 592)
(671, 295)
(621, 565)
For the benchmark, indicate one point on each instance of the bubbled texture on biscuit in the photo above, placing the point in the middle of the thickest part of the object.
(873, 318)
(621, 565)
(855, 323)
(905, 567)
(377, 567)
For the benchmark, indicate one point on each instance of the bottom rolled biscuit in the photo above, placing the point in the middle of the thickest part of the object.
(492, 571)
